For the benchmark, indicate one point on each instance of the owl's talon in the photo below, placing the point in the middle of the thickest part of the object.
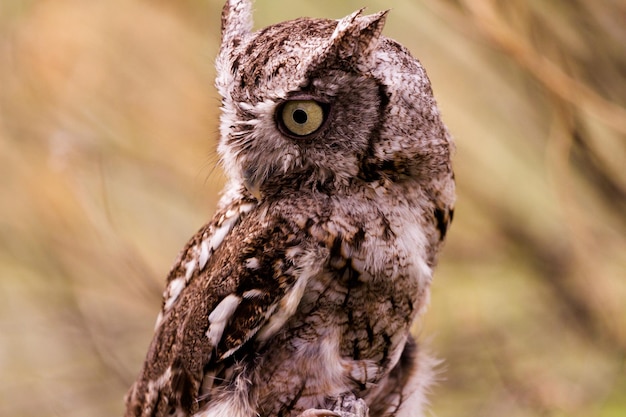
(351, 406)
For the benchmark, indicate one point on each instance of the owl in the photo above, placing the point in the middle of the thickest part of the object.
(298, 297)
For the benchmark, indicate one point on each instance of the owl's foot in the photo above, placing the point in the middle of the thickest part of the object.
(351, 406)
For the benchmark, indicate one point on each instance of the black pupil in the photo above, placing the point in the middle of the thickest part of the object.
(300, 117)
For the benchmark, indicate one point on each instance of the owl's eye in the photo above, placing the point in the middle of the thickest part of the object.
(301, 117)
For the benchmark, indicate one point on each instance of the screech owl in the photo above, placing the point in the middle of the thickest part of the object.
(298, 297)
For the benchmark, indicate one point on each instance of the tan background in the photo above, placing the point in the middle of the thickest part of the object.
(108, 122)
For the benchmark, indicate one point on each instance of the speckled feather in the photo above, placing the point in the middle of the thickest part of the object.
(298, 297)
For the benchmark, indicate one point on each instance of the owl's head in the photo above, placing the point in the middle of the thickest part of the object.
(323, 103)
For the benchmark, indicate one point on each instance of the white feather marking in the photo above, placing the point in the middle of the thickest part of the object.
(252, 263)
(204, 255)
(245, 105)
(220, 233)
(292, 299)
(225, 308)
(245, 208)
(155, 385)
(190, 267)
(253, 293)
(208, 246)
(159, 320)
(288, 305)
(251, 332)
(173, 291)
(163, 380)
(219, 317)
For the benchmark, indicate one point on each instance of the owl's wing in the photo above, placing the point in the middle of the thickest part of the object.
(251, 284)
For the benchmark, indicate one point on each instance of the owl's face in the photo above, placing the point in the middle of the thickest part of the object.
(320, 103)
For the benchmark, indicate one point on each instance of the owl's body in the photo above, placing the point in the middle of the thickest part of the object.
(298, 297)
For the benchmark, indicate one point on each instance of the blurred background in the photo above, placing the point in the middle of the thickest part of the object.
(108, 127)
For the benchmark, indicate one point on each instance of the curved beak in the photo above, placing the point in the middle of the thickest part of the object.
(252, 183)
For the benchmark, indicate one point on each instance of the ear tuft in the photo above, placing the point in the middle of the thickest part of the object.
(236, 22)
(356, 36)
(344, 25)
(371, 27)
(236, 25)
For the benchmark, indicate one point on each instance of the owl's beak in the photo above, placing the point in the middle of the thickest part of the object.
(253, 185)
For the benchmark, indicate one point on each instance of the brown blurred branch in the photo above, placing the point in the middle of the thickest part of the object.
(498, 32)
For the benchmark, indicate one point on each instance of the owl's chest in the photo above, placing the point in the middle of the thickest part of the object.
(369, 315)
(376, 277)
(345, 337)
(355, 314)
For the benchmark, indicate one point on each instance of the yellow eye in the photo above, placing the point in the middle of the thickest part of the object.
(301, 117)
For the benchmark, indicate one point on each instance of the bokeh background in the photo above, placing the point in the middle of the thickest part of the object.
(108, 127)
